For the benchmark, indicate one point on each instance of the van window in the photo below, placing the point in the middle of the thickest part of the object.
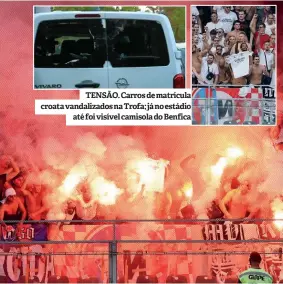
(70, 44)
(136, 43)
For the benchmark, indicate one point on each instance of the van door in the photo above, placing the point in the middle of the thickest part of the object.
(141, 51)
(70, 51)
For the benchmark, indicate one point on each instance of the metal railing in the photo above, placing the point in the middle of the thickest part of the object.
(214, 106)
(115, 243)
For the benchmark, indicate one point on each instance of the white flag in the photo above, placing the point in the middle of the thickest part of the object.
(240, 63)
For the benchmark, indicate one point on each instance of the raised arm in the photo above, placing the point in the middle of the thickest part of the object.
(14, 170)
(253, 24)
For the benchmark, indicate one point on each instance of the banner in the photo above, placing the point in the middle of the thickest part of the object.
(90, 261)
(236, 106)
(29, 232)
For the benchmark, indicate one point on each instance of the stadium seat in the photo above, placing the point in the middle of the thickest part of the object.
(176, 279)
(205, 279)
(147, 279)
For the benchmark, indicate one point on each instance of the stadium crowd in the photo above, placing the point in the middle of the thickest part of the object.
(221, 35)
(26, 197)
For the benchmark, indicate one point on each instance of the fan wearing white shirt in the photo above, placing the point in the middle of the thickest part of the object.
(215, 43)
(196, 30)
(86, 205)
(266, 57)
(220, 35)
(209, 70)
(269, 24)
(227, 18)
(197, 42)
(214, 24)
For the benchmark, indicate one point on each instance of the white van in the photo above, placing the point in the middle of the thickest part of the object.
(105, 50)
(182, 47)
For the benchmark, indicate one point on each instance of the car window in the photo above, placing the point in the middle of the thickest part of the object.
(136, 43)
(70, 44)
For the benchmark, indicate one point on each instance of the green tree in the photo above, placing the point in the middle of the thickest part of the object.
(131, 9)
(153, 9)
(176, 16)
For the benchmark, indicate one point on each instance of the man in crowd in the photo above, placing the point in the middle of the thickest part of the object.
(255, 274)
(209, 70)
(273, 43)
(244, 23)
(256, 71)
(227, 18)
(239, 202)
(260, 36)
(197, 42)
(34, 200)
(8, 170)
(270, 24)
(197, 63)
(266, 58)
(214, 24)
(236, 31)
(12, 208)
(86, 205)
(224, 70)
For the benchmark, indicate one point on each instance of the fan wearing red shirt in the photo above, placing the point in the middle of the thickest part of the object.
(260, 36)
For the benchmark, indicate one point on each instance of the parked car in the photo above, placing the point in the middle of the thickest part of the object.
(105, 50)
(182, 47)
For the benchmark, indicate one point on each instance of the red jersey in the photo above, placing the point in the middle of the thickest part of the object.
(262, 40)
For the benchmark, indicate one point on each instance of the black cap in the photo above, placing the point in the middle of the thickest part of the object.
(255, 257)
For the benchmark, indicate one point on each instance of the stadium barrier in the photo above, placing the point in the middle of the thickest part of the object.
(233, 105)
(135, 251)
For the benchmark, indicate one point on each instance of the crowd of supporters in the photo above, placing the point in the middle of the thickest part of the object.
(221, 32)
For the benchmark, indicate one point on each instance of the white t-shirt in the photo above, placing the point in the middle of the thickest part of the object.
(227, 20)
(86, 211)
(212, 26)
(269, 59)
(205, 68)
(240, 63)
(268, 28)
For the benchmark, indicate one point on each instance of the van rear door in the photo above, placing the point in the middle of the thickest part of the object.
(70, 50)
(141, 51)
